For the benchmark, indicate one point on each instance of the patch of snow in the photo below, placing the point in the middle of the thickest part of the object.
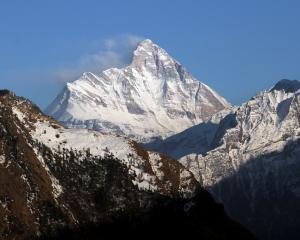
(57, 188)
(2, 159)
(19, 114)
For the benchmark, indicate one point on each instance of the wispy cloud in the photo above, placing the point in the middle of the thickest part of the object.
(113, 52)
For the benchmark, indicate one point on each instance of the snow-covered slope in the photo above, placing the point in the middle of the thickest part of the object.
(254, 163)
(153, 97)
(264, 124)
(150, 170)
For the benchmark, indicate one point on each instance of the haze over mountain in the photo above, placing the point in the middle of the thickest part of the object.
(153, 97)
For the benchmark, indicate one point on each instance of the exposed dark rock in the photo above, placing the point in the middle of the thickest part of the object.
(289, 86)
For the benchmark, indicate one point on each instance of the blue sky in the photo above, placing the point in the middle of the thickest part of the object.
(236, 47)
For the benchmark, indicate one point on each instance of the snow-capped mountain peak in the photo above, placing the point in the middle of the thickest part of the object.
(152, 97)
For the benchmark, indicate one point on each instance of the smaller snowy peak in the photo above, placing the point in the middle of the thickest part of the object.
(254, 159)
(289, 86)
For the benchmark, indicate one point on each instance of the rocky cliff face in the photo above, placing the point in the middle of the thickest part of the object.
(252, 161)
(69, 183)
(153, 97)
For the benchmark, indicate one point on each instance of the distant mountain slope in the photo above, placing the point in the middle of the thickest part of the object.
(62, 183)
(253, 162)
(193, 141)
(153, 97)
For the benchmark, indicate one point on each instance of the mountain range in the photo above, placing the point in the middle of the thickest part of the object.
(146, 146)
(246, 156)
(58, 183)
